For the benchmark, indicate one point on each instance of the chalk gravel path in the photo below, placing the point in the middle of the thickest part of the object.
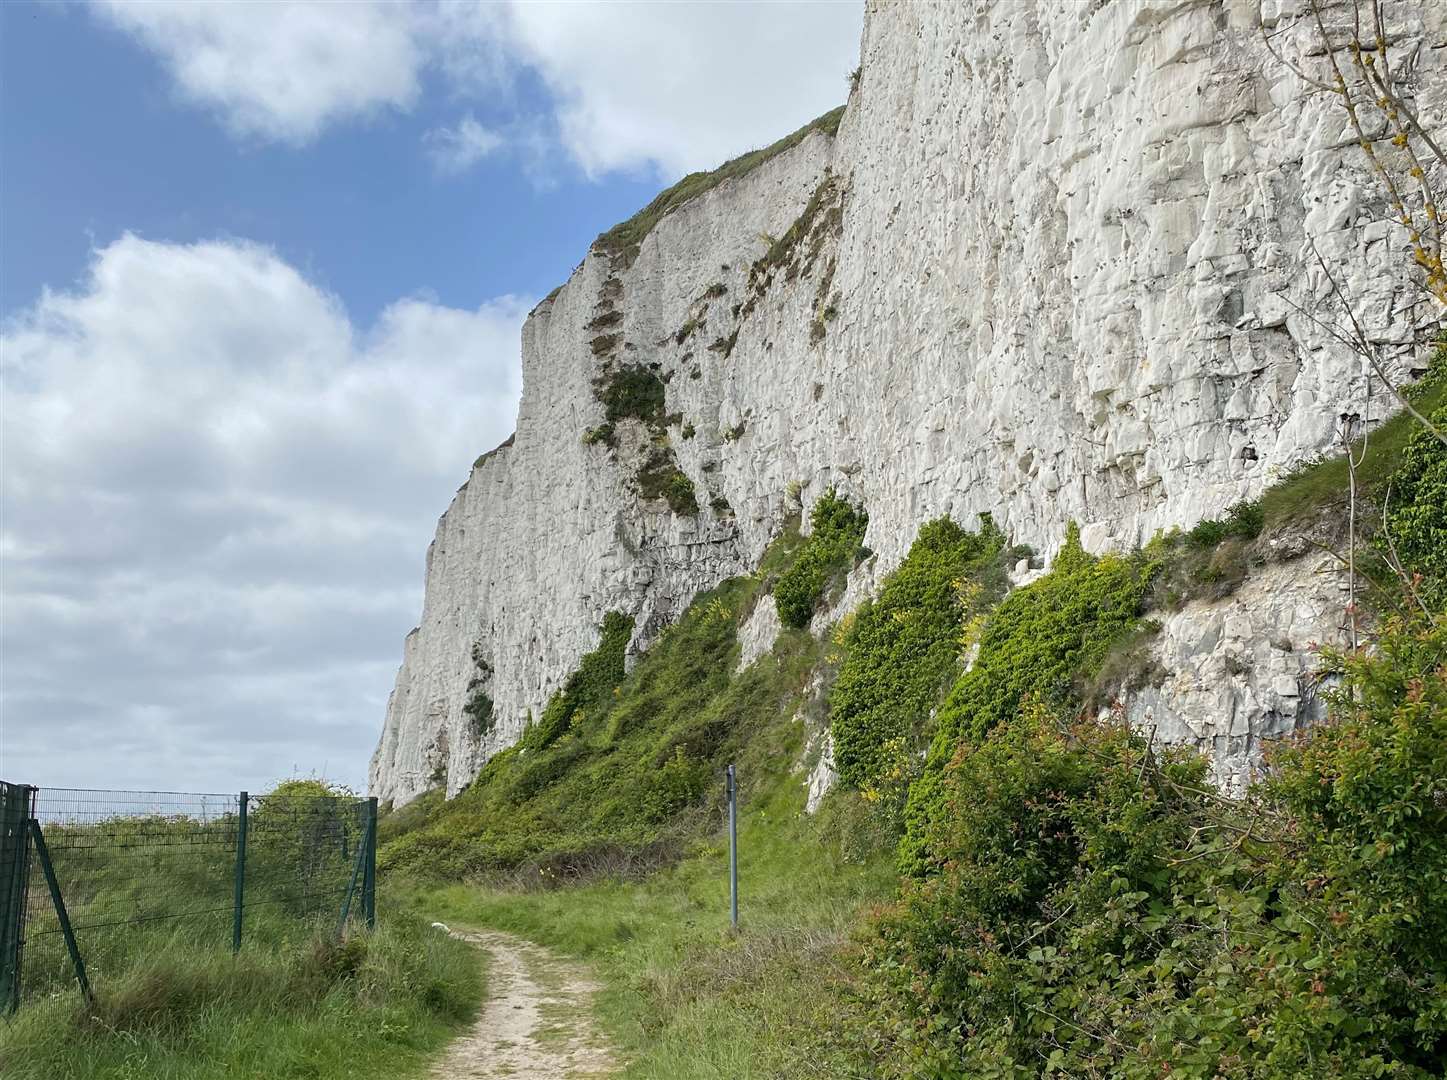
(538, 1021)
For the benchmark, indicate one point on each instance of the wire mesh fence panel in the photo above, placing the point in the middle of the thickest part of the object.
(301, 852)
(142, 874)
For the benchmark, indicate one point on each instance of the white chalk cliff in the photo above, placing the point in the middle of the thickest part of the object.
(1056, 264)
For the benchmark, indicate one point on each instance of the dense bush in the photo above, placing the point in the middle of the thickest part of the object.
(837, 531)
(902, 649)
(1097, 910)
(1081, 905)
(1037, 641)
(1417, 512)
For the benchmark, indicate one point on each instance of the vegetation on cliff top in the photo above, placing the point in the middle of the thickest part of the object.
(623, 240)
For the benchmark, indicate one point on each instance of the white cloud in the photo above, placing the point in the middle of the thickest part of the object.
(685, 86)
(217, 493)
(633, 85)
(282, 70)
(454, 150)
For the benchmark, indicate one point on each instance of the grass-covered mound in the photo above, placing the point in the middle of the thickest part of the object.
(622, 769)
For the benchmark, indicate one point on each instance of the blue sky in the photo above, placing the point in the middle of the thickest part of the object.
(263, 269)
(94, 143)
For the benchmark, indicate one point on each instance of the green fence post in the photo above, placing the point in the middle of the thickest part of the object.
(242, 800)
(59, 902)
(369, 879)
(352, 888)
(15, 800)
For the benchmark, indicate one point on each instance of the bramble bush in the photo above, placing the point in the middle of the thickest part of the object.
(837, 531)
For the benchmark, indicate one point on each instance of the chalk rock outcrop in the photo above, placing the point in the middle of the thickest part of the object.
(1056, 264)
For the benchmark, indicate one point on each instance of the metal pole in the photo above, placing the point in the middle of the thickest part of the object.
(242, 800)
(733, 793)
(55, 898)
(369, 875)
(16, 809)
(351, 888)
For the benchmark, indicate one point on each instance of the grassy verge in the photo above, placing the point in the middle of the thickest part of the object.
(299, 1006)
(685, 997)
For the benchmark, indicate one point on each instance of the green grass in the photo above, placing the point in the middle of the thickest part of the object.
(1324, 484)
(623, 240)
(292, 1004)
(683, 997)
(628, 773)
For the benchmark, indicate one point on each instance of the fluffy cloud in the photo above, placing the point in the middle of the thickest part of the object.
(685, 86)
(216, 496)
(674, 87)
(454, 150)
(281, 71)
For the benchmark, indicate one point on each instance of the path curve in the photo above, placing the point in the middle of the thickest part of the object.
(538, 1020)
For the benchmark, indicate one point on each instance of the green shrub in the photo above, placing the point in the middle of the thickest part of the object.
(588, 689)
(1082, 905)
(902, 649)
(1050, 849)
(1244, 520)
(1038, 641)
(631, 392)
(1417, 512)
(838, 530)
(1097, 910)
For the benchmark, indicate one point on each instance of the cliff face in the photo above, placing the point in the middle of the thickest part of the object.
(1056, 264)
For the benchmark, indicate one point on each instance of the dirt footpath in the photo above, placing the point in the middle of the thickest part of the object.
(538, 1020)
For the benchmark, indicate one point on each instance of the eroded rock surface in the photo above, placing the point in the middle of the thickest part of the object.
(1057, 264)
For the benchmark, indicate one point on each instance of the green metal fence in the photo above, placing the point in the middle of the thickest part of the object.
(92, 880)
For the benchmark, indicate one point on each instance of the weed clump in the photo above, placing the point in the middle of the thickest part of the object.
(631, 393)
(838, 531)
(661, 478)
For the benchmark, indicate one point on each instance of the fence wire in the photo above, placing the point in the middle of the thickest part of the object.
(140, 871)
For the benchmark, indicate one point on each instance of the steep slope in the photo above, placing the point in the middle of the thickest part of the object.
(1055, 265)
